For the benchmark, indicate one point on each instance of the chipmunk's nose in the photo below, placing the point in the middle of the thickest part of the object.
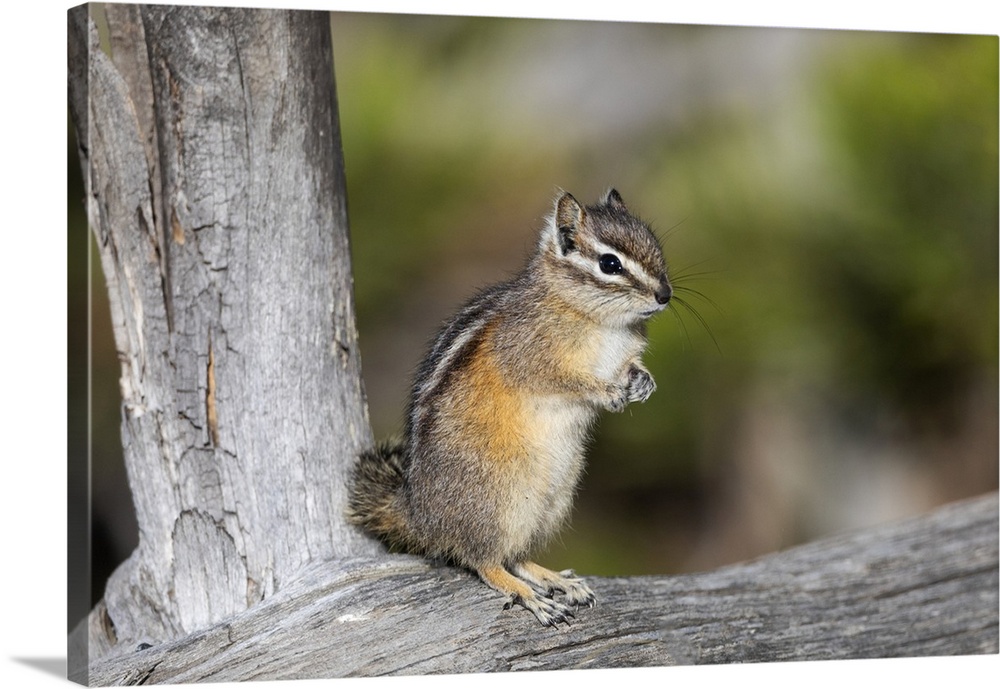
(664, 293)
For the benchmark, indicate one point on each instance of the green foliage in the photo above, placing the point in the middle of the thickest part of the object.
(838, 244)
(910, 266)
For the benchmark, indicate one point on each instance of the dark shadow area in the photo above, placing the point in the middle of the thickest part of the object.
(50, 666)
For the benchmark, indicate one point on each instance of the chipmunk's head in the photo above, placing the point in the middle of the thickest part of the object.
(605, 258)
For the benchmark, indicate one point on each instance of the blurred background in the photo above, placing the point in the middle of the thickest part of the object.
(828, 202)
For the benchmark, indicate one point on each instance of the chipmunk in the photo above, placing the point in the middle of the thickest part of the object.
(501, 407)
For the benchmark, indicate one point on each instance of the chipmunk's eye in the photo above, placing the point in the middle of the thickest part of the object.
(610, 264)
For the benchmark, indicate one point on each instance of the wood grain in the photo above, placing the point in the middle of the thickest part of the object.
(215, 190)
(926, 586)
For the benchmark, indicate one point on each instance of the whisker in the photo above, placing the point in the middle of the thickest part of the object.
(700, 295)
(688, 272)
(690, 309)
(664, 235)
(684, 329)
(695, 264)
(686, 277)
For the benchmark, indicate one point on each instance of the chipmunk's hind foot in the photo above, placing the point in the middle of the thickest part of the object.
(547, 611)
(574, 589)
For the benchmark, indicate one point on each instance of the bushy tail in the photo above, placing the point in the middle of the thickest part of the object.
(377, 502)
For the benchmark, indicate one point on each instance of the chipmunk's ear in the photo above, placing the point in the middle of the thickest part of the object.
(568, 218)
(614, 200)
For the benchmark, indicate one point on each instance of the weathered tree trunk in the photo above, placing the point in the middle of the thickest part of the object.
(211, 155)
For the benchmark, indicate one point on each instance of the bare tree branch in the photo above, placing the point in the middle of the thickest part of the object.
(927, 586)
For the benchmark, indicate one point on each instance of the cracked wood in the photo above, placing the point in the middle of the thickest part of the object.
(925, 586)
(218, 206)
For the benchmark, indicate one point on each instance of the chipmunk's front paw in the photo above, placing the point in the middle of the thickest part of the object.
(640, 384)
(548, 611)
(617, 398)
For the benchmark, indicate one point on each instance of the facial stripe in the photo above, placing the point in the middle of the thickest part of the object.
(586, 260)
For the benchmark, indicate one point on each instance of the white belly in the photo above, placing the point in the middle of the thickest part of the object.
(557, 435)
